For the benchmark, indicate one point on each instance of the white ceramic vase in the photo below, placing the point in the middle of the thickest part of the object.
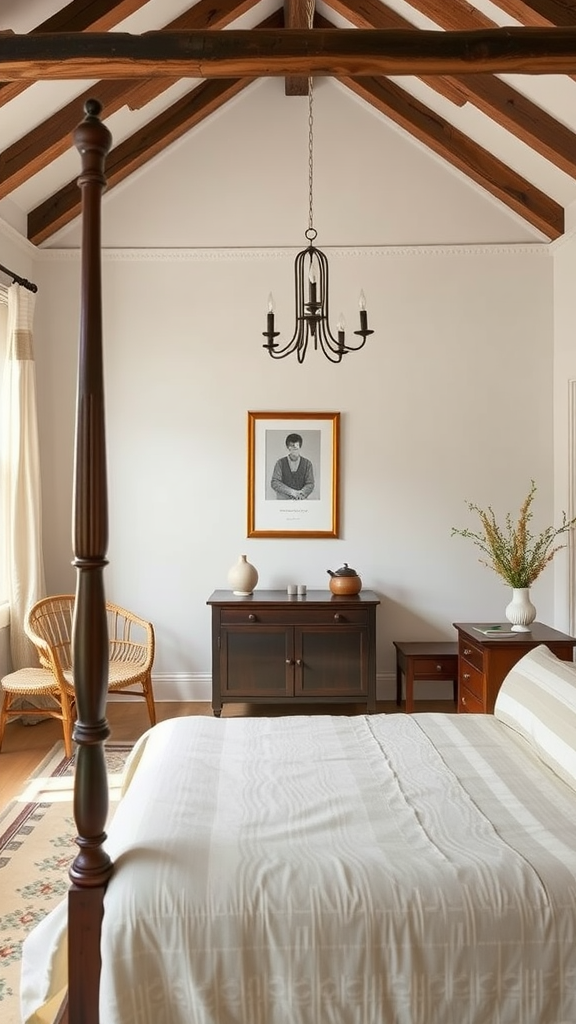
(242, 577)
(520, 612)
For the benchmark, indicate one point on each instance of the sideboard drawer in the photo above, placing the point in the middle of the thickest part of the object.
(470, 653)
(293, 616)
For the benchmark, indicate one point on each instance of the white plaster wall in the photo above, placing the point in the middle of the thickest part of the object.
(565, 416)
(452, 398)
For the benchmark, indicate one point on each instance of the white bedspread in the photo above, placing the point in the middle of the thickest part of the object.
(337, 870)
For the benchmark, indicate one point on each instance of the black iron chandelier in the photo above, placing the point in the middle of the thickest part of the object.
(311, 288)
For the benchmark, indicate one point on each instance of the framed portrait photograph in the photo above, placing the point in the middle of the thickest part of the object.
(293, 484)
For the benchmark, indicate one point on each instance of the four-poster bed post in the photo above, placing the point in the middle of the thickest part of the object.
(92, 866)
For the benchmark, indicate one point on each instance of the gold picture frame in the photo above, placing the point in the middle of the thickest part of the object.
(293, 485)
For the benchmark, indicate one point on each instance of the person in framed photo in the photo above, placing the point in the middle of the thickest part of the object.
(293, 474)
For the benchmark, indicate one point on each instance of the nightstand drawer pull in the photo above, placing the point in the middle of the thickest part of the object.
(299, 662)
(438, 668)
(466, 675)
(338, 618)
(467, 651)
(251, 617)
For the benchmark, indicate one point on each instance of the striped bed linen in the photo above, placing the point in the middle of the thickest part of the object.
(384, 869)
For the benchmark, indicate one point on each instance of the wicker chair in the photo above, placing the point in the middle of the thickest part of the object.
(131, 646)
(30, 684)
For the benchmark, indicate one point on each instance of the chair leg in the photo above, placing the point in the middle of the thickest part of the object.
(67, 723)
(149, 695)
(4, 716)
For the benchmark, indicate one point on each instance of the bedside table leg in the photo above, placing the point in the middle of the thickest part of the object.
(398, 682)
(409, 687)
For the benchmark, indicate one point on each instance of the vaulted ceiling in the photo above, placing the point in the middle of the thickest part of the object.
(513, 134)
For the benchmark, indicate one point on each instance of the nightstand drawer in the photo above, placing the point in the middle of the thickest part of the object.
(430, 668)
(472, 680)
(470, 653)
(468, 703)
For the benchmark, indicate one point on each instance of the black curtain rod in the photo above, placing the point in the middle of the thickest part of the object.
(19, 280)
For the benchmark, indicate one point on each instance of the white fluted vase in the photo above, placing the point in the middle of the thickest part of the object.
(520, 612)
(242, 577)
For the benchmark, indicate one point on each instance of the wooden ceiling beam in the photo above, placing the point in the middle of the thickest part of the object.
(61, 208)
(373, 14)
(457, 149)
(262, 52)
(458, 14)
(78, 16)
(52, 137)
(296, 15)
(499, 101)
(495, 98)
(540, 12)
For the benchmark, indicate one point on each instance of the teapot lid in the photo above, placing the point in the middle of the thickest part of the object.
(345, 571)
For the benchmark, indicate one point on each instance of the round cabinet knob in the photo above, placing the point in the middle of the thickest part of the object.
(337, 618)
(289, 661)
(466, 675)
(438, 668)
(252, 617)
(467, 651)
(463, 700)
(299, 662)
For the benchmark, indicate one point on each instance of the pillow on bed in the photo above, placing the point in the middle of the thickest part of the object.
(538, 700)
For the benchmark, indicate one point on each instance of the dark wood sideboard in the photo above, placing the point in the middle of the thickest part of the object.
(272, 648)
(484, 661)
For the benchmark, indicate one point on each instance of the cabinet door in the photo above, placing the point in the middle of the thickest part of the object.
(331, 661)
(256, 661)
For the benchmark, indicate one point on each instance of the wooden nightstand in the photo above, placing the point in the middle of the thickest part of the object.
(424, 661)
(484, 661)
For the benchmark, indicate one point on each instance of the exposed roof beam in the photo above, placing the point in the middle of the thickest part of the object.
(261, 52)
(495, 98)
(52, 137)
(540, 12)
(458, 14)
(373, 14)
(61, 208)
(457, 149)
(296, 14)
(78, 16)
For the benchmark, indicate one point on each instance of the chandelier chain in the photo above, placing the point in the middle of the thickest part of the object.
(311, 233)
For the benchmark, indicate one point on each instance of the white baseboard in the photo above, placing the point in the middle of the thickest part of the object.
(197, 686)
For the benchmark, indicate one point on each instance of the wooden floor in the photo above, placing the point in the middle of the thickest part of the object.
(24, 746)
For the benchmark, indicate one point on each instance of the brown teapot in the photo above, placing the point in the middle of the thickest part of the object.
(345, 581)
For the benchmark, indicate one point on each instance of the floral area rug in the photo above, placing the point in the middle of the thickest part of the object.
(37, 832)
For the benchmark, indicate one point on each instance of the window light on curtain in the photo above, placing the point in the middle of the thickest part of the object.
(20, 474)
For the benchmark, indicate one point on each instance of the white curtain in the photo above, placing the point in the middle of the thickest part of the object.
(23, 562)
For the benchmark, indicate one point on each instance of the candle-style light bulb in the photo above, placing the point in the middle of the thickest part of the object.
(312, 283)
(270, 318)
(363, 313)
(341, 327)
